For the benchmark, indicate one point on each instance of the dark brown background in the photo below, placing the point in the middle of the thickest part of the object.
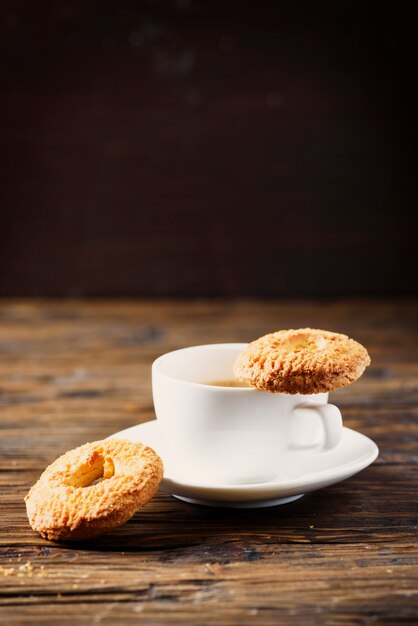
(212, 148)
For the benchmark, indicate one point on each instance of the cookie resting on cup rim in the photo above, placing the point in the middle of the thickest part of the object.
(305, 361)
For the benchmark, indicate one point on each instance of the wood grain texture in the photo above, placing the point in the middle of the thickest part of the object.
(73, 371)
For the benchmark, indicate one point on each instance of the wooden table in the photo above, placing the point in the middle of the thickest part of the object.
(74, 371)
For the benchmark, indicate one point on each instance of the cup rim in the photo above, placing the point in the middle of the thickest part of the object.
(207, 346)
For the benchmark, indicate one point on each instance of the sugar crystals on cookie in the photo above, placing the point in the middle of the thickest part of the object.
(305, 361)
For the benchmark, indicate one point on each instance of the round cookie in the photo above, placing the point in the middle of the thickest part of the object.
(305, 361)
(67, 502)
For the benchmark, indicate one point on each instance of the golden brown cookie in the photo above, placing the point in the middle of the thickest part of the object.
(306, 360)
(68, 504)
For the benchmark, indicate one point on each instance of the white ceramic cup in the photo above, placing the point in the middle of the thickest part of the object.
(233, 435)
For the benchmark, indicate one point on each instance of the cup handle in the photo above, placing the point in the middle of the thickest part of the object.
(331, 422)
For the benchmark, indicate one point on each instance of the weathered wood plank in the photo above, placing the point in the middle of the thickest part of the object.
(372, 506)
(232, 576)
(77, 371)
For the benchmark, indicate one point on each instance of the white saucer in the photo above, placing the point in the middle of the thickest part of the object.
(302, 472)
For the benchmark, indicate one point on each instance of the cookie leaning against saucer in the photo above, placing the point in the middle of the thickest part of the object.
(306, 360)
(68, 504)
